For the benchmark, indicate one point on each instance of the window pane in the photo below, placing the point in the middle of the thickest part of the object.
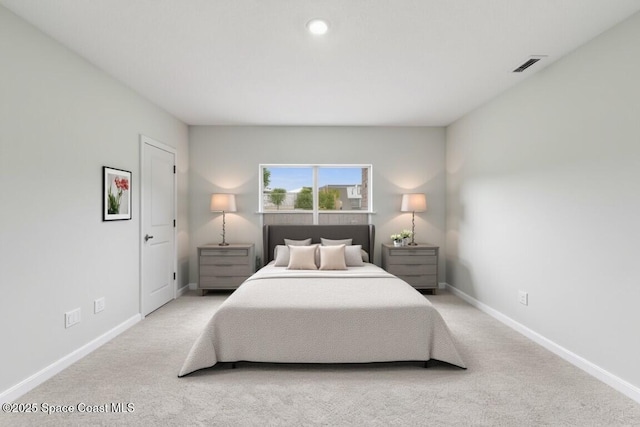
(342, 188)
(287, 188)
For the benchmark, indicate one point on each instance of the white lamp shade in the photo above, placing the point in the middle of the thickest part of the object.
(223, 202)
(414, 202)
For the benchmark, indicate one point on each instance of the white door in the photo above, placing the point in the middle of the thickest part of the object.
(158, 225)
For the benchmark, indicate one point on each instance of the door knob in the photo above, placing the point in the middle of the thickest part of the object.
(147, 237)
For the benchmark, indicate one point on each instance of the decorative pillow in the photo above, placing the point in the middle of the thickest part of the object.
(302, 258)
(347, 242)
(305, 242)
(353, 256)
(329, 242)
(281, 255)
(332, 258)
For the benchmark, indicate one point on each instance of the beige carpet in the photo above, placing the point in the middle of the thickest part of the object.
(510, 382)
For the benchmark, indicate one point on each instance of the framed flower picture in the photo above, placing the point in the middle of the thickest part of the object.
(116, 194)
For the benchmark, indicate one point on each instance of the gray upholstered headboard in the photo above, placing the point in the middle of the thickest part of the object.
(273, 235)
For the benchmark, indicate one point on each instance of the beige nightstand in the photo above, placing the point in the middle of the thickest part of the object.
(416, 265)
(224, 267)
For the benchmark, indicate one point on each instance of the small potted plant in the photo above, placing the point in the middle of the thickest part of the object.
(406, 235)
(397, 239)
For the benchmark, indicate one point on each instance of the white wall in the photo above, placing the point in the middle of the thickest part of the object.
(226, 159)
(542, 196)
(61, 120)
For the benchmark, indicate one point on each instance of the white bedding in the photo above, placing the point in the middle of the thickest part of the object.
(358, 315)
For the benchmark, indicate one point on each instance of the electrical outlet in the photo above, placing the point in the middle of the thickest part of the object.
(98, 305)
(71, 318)
(523, 297)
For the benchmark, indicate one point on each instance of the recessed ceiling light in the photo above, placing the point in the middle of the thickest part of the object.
(317, 27)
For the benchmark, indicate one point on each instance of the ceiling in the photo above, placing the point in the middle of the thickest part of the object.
(383, 62)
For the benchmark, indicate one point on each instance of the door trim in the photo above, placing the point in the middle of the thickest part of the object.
(145, 140)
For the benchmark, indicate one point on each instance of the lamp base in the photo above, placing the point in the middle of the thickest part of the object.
(412, 244)
(223, 244)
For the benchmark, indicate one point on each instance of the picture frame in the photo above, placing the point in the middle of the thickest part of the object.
(116, 194)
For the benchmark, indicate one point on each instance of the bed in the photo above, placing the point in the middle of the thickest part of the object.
(360, 314)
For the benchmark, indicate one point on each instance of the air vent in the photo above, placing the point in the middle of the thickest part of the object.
(528, 63)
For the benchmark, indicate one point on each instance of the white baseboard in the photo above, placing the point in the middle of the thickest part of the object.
(193, 286)
(183, 290)
(38, 378)
(606, 377)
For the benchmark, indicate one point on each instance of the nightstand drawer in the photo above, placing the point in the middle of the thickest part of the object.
(412, 269)
(223, 260)
(411, 259)
(224, 252)
(225, 270)
(407, 251)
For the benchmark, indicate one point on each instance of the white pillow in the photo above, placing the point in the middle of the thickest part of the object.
(353, 256)
(305, 242)
(281, 256)
(332, 258)
(347, 242)
(329, 242)
(302, 258)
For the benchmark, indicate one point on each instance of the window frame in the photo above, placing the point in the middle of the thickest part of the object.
(315, 169)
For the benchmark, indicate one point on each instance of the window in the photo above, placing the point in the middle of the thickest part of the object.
(286, 188)
(316, 190)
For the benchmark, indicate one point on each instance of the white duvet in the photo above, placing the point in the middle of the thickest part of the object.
(359, 315)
